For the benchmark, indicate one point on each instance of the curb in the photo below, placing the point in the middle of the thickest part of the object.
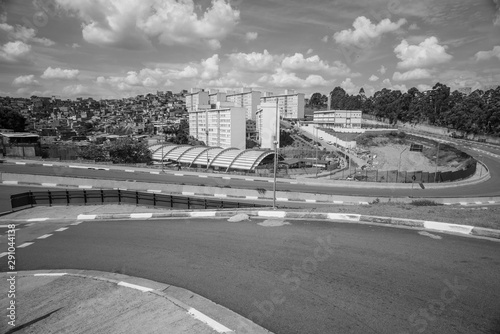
(341, 217)
(225, 196)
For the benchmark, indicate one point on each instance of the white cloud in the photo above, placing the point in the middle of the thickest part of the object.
(251, 36)
(485, 55)
(413, 26)
(387, 82)
(73, 90)
(428, 52)
(415, 74)
(496, 21)
(325, 39)
(24, 34)
(382, 69)
(373, 78)
(284, 79)
(255, 61)
(297, 62)
(423, 87)
(76, 45)
(349, 86)
(131, 24)
(365, 32)
(401, 88)
(14, 51)
(210, 68)
(25, 80)
(59, 73)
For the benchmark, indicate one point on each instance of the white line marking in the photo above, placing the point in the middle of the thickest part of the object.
(76, 223)
(45, 236)
(37, 219)
(209, 321)
(282, 199)
(226, 178)
(491, 202)
(478, 202)
(20, 163)
(49, 184)
(271, 181)
(10, 182)
(50, 274)
(202, 176)
(338, 202)
(220, 195)
(341, 216)
(129, 170)
(82, 167)
(252, 197)
(3, 254)
(310, 200)
(463, 203)
(61, 229)
(464, 229)
(48, 165)
(278, 214)
(84, 186)
(137, 287)
(154, 172)
(249, 180)
(141, 215)
(26, 244)
(447, 203)
(364, 203)
(294, 183)
(188, 193)
(202, 214)
(85, 217)
(176, 174)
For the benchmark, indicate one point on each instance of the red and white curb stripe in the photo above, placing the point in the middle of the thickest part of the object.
(216, 326)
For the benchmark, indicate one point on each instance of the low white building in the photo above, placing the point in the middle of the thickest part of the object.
(338, 119)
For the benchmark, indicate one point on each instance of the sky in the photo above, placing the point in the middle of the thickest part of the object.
(121, 48)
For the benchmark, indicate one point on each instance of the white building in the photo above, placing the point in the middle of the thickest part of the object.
(215, 96)
(196, 97)
(266, 125)
(223, 126)
(247, 99)
(338, 119)
(290, 104)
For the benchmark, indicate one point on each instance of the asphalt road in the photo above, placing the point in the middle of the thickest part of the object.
(490, 188)
(306, 277)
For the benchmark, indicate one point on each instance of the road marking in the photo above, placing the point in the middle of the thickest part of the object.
(249, 180)
(76, 223)
(49, 184)
(294, 182)
(463, 229)
(271, 181)
(282, 199)
(20, 163)
(209, 321)
(310, 200)
(137, 287)
(84, 186)
(10, 182)
(129, 170)
(85, 217)
(188, 193)
(364, 203)
(478, 202)
(48, 165)
(37, 219)
(427, 234)
(154, 191)
(50, 274)
(26, 244)
(276, 214)
(81, 167)
(251, 197)
(3, 254)
(45, 236)
(226, 178)
(61, 229)
(177, 174)
(141, 215)
(462, 203)
(202, 176)
(220, 195)
(154, 172)
(202, 214)
(491, 202)
(338, 202)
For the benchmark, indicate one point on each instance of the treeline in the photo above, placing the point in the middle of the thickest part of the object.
(476, 113)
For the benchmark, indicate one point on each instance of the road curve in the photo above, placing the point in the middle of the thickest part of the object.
(301, 277)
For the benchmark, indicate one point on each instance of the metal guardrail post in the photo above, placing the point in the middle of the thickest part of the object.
(154, 199)
(50, 198)
(171, 201)
(67, 197)
(102, 196)
(85, 197)
(205, 203)
(189, 204)
(31, 198)
(136, 198)
(119, 196)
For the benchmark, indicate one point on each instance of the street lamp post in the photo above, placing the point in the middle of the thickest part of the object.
(276, 143)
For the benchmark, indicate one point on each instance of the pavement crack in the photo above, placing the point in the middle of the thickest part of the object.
(18, 328)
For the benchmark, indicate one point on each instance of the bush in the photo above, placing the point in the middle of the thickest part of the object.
(425, 202)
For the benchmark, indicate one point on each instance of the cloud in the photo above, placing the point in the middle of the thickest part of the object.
(325, 39)
(132, 24)
(413, 26)
(366, 33)
(373, 78)
(485, 55)
(251, 36)
(76, 45)
(496, 21)
(309, 51)
(59, 73)
(423, 87)
(428, 52)
(349, 86)
(210, 68)
(415, 74)
(283, 79)
(73, 90)
(14, 51)
(255, 61)
(24, 34)
(297, 62)
(25, 80)
(382, 69)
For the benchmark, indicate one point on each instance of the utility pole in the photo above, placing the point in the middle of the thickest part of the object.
(276, 142)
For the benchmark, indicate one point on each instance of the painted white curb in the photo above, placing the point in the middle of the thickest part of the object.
(141, 215)
(50, 274)
(37, 219)
(202, 214)
(85, 217)
(274, 214)
(341, 216)
(464, 229)
(136, 287)
(209, 321)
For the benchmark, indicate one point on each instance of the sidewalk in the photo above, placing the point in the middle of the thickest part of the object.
(77, 301)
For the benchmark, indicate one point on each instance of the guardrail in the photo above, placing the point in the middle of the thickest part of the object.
(84, 197)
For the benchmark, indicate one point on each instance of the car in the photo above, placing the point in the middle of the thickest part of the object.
(329, 142)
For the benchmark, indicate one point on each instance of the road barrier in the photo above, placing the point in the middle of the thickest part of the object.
(84, 197)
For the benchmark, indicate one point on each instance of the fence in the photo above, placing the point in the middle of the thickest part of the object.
(79, 197)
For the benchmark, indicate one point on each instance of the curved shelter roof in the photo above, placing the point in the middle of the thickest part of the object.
(228, 158)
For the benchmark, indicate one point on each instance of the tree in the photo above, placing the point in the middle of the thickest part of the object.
(10, 119)
(94, 152)
(128, 150)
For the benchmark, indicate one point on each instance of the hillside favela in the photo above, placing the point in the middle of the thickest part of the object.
(236, 166)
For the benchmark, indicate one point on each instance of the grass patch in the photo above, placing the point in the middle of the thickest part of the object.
(424, 202)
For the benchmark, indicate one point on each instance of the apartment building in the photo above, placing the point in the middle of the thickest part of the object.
(290, 104)
(197, 96)
(246, 98)
(224, 125)
(266, 125)
(336, 119)
(215, 96)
